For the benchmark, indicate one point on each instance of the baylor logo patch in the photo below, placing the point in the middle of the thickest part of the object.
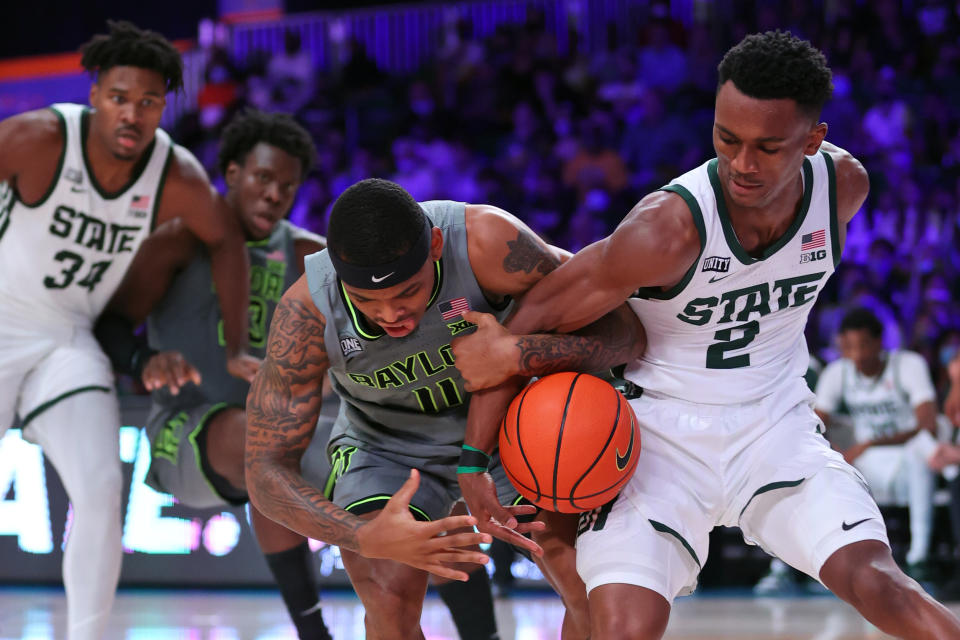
(459, 327)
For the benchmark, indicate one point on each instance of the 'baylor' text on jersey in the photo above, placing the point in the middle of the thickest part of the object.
(402, 396)
(62, 258)
(732, 330)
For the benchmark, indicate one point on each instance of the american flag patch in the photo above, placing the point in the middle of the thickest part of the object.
(140, 203)
(453, 308)
(813, 240)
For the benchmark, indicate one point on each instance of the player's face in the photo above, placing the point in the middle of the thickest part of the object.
(399, 309)
(263, 188)
(760, 146)
(128, 103)
(861, 348)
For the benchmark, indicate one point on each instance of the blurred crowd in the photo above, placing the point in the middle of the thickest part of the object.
(570, 140)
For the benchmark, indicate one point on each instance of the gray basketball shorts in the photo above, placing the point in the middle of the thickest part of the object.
(361, 481)
(177, 463)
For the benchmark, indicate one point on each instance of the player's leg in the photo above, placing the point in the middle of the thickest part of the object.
(559, 566)
(471, 602)
(829, 527)
(286, 552)
(80, 436)
(918, 483)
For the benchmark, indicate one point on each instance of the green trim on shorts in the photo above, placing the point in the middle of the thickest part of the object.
(368, 503)
(783, 484)
(197, 454)
(662, 528)
(340, 461)
(63, 396)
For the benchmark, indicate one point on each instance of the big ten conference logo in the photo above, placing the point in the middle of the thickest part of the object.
(813, 256)
(150, 525)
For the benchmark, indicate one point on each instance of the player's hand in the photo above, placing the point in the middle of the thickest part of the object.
(168, 369)
(855, 451)
(244, 366)
(480, 493)
(488, 356)
(394, 534)
(944, 455)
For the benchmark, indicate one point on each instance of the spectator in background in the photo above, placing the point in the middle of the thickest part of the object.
(291, 75)
(891, 403)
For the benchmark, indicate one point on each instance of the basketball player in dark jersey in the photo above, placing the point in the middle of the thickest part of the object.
(377, 311)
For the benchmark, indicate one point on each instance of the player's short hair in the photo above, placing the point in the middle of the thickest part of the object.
(775, 65)
(280, 130)
(374, 222)
(129, 46)
(862, 319)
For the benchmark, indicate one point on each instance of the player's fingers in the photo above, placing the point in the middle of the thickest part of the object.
(459, 555)
(444, 571)
(459, 540)
(512, 537)
(527, 527)
(522, 509)
(401, 499)
(478, 318)
(452, 523)
(502, 515)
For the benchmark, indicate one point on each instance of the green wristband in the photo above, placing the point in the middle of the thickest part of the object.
(472, 460)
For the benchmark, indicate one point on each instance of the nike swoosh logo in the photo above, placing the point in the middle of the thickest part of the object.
(716, 279)
(624, 459)
(847, 527)
(77, 189)
(376, 279)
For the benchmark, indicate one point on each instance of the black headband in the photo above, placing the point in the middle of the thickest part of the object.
(392, 273)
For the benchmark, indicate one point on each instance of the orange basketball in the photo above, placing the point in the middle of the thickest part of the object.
(569, 442)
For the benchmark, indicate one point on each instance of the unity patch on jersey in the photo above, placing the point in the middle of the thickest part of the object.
(349, 345)
(716, 263)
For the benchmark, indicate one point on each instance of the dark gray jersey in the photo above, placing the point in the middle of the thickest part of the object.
(403, 396)
(188, 319)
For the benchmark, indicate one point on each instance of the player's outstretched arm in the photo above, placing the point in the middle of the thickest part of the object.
(282, 409)
(189, 196)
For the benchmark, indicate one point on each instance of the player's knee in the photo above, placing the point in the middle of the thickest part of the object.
(101, 490)
(615, 618)
(881, 584)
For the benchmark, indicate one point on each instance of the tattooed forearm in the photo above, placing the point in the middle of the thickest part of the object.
(526, 255)
(616, 338)
(282, 409)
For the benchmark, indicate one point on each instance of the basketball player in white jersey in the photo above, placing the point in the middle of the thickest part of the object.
(892, 404)
(80, 188)
(723, 266)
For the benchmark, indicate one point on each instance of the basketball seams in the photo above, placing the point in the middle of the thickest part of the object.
(563, 422)
(523, 454)
(613, 432)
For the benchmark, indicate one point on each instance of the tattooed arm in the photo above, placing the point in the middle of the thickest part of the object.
(282, 409)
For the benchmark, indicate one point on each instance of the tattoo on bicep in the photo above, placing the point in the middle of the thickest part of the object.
(527, 255)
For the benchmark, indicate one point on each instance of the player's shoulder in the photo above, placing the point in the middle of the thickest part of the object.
(667, 221)
(909, 359)
(33, 130)
(853, 181)
(834, 368)
(185, 169)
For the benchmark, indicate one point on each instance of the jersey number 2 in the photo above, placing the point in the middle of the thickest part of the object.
(716, 353)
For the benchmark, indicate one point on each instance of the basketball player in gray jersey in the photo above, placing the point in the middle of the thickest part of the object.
(80, 189)
(377, 311)
(722, 266)
(197, 423)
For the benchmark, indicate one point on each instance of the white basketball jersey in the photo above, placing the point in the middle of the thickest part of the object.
(880, 406)
(732, 330)
(62, 258)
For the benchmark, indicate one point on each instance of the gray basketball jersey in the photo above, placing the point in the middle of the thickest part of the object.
(402, 396)
(188, 319)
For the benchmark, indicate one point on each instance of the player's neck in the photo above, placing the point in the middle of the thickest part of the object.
(872, 368)
(110, 172)
(759, 227)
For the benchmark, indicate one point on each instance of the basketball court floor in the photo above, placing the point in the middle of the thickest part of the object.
(38, 614)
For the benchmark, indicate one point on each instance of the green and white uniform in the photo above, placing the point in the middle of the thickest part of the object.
(730, 436)
(189, 320)
(880, 407)
(61, 259)
(402, 402)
